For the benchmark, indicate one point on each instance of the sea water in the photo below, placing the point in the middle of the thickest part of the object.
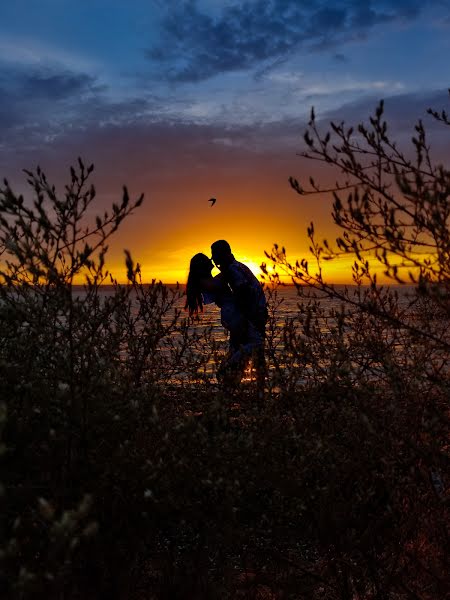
(286, 304)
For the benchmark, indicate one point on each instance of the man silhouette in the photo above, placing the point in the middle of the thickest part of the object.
(251, 302)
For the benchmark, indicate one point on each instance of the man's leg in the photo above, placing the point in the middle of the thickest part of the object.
(231, 369)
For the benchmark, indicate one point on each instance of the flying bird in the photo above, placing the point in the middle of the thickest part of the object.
(213, 201)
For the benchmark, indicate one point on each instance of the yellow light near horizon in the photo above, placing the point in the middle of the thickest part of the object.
(252, 264)
(338, 271)
(173, 267)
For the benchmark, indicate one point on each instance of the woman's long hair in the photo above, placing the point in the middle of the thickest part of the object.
(199, 268)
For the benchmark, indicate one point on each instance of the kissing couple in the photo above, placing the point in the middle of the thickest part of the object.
(243, 310)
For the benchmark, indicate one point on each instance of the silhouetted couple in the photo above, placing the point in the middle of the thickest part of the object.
(243, 305)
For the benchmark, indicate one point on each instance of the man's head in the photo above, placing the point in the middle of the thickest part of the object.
(221, 253)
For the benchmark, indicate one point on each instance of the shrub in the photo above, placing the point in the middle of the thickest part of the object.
(129, 473)
(379, 363)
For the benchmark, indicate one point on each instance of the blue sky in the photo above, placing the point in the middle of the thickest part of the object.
(229, 61)
(169, 96)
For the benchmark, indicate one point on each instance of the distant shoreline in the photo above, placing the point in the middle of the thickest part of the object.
(289, 285)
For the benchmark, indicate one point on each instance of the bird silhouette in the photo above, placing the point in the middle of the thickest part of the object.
(213, 201)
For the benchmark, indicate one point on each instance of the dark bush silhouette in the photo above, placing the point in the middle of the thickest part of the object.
(383, 355)
(127, 473)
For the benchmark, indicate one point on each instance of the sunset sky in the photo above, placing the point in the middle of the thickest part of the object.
(188, 100)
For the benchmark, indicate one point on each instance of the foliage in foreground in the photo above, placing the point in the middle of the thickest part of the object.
(127, 473)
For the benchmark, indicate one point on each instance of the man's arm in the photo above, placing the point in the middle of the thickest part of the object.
(213, 285)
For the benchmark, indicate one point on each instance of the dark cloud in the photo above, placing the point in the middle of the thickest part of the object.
(43, 108)
(401, 113)
(164, 147)
(31, 95)
(195, 46)
(133, 144)
(45, 83)
(57, 86)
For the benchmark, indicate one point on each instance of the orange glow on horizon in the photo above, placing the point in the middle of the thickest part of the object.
(162, 236)
(337, 271)
(255, 208)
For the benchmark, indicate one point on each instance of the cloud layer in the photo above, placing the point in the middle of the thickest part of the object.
(196, 45)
